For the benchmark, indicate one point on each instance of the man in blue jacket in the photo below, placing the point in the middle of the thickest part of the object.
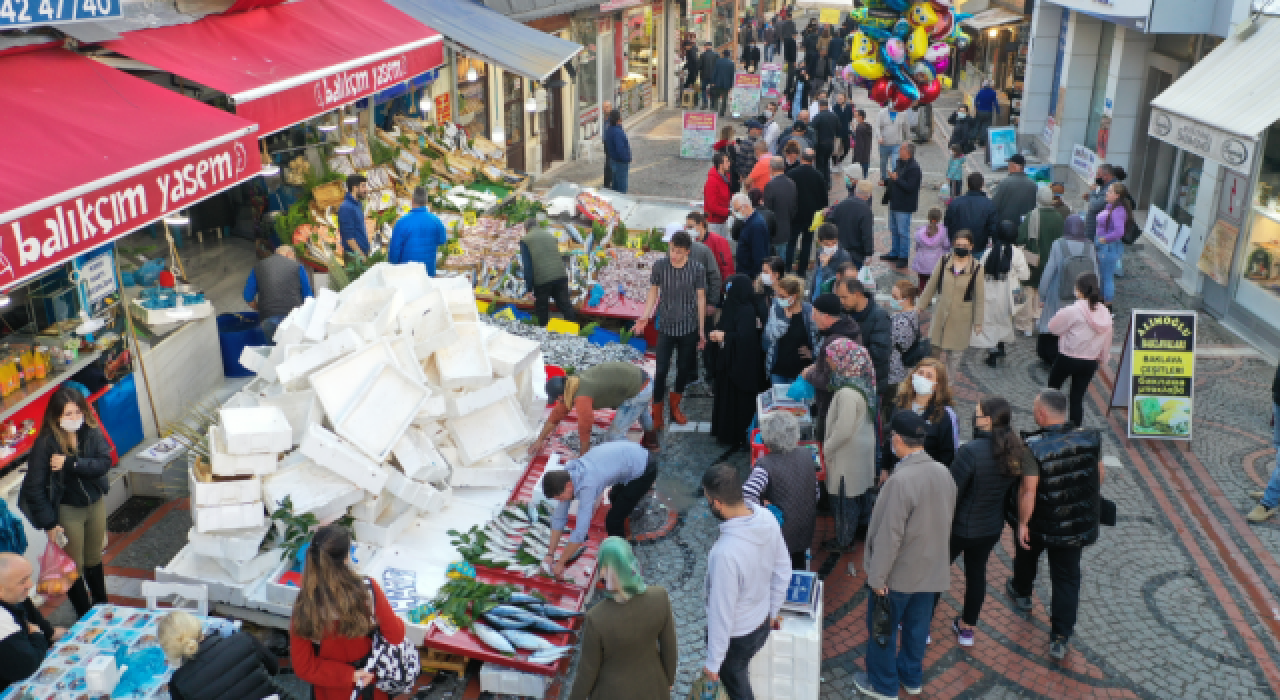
(618, 150)
(753, 240)
(987, 105)
(417, 235)
(722, 82)
(351, 216)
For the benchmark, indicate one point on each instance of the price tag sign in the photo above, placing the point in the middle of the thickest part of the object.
(469, 218)
(15, 14)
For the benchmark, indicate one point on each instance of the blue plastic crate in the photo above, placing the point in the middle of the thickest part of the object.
(118, 409)
(639, 344)
(601, 336)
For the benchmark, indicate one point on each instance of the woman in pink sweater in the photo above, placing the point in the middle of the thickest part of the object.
(1084, 342)
(932, 242)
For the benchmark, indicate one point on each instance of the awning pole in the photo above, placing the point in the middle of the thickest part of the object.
(137, 350)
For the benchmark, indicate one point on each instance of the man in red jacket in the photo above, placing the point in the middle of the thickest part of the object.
(696, 224)
(715, 194)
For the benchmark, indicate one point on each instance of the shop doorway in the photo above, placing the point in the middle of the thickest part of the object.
(513, 119)
(552, 128)
(1153, 163)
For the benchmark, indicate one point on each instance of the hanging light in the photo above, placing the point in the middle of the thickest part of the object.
(530, 105)
(343, 150)
(472, 76)
(4, 300)
(498, 136)
(177, 220)
(269, 167)
(326, 127)
(993, 33)
(425, 104)
(350, 119)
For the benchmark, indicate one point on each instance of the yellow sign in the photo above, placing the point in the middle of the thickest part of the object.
(469, 218)
(829, 16)
(1163, 351)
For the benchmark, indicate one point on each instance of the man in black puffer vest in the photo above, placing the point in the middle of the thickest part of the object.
(1057, 510)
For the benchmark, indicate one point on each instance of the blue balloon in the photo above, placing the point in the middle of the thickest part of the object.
(902, 80)
(902, 29)
(898, 5)
(876, 33)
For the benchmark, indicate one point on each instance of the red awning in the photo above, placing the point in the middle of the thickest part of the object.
(92, 153)
(285, 64)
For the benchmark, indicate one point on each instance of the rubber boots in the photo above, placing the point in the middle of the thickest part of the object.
(656, 411)
(96, 579)
(649, 440)
(676, 415)
(79, 597)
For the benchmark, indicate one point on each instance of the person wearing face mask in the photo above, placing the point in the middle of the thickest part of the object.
(734, 354)
(927, 392)
(960, 288)
(860, 304)
(773, 269)
(961, 131)
(985, 468)
(1097, 197)
(1084, 342)
(64, 488)
(830, 257)
(904, 332)
(790, 336)
(832, 324)
(1006, 268)
(753, 239)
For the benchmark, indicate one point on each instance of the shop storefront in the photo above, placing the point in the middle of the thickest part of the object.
(473, 95)
(587, 81)
(997, 52)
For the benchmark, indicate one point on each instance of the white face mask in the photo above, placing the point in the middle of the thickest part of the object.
(768, 113)
(766, 279)
(829, 249)
(922, 385)
(71, 425)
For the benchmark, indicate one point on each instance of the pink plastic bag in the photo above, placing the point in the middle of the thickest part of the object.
(57, 570)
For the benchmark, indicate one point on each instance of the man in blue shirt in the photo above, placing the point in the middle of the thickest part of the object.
(618, 150)
(276, 286)
(624, 467)
(351, 216)
(987, 104)
(417, 235)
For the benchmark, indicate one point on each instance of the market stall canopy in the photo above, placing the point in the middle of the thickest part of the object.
(529, 10)
(475, 29)
(286, 64)
(99, 153)
(1219, 108)
(994, 17)
(845, 5)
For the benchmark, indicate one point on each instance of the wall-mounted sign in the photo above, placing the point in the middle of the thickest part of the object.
(1234, 198)
(1206, 141)
(444, 109)
(20, 14)
(98, 275)
(1084, 162)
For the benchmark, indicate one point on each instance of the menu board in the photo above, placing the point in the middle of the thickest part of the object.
(697, 134)
(1002, 145)
(744, 99)
(771, 80)
(1162, 350)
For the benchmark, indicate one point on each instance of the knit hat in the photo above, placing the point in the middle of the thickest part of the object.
(828, 304)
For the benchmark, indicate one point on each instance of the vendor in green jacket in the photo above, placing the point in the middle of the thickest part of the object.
(618, 385)
(545, 275)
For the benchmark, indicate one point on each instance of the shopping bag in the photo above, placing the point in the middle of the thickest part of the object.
(817, 220)
(706, 689)
(867, 278)
(800, 390)
(881, 619)
(57, 570)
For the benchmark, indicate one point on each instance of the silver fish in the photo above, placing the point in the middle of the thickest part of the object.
(492, 639)
(521, 598)
(512, 611)
(548, 656)
(526, 641)
(550, 611)
(542, 624)
(517, 513)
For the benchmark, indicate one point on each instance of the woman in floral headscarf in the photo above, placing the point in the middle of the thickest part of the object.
(629, 639)
(850, 445)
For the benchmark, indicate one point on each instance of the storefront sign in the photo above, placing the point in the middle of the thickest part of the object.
(1161, 228)
(1203, 140)
(699, 5)
(697, 134)
(1084, 162)
(54, 234)
(21, 14)
(281, 109)
(771, 80)
(444, 109)
(1162, 359)
(829, 15)
(613, 5)
(1132, 14)
(1219, 250)
(1002, 144)
(744, 99)
(98, 275)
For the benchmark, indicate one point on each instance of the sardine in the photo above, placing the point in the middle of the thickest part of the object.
(548, 656)
(542, 624)
(526, 641)
(512, 611)
(521, 598)
(501, 622)
(517, 513)
(492, 639)
(550, 611)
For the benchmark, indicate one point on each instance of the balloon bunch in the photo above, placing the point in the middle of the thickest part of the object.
(904, 64)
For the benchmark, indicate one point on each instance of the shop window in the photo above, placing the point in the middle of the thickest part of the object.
(584, 32)
(724, 25)
(1259, 288)
(473, 96)
(1187, 188)
(513, 118)
(1098, 102)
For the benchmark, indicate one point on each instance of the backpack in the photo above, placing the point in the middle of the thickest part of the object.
(1132, 232)
(1074, 266)
(920, 349)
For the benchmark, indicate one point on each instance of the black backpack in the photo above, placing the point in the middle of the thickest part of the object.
(919, 349)
(1072, 267)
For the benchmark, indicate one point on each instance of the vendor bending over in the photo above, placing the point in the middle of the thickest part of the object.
(618, 385)
(625, 468)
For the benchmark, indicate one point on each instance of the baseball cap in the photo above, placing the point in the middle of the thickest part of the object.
(828, 304)
(555, 389)
(353, 180)
(753, 124)
(1017, 158)
(909, 424)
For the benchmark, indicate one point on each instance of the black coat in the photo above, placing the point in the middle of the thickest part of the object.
(789, 50)
(707, 66)
(827, 127)
(811, 196)
(962, 132)
(226, 667)
(904, 191)
(863, 135)
(22, 652)
(845, 114)
(974, 212)
(855, 223)
(81, 481)
(939, 441)
(1275, 387)
(738, 377)
(780, 197)
(981, 489)
(877, 337)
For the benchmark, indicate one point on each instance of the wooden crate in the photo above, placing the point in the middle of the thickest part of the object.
(434, 660)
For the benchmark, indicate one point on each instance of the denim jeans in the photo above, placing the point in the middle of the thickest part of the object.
(1109, 255)
(1271, 497)
(888, 666)
(620, 173)
(631, 410)
(269, 326)
(733, 670)
(888, 159)
(900, 228)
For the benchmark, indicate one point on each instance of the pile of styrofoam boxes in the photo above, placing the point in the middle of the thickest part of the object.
(788, 667)
(392, 392)
(500, 680)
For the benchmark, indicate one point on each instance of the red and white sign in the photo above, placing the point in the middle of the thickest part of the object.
(56, 233)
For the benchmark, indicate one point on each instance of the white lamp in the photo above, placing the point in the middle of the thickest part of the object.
(530, 105)
(343, 150)
(471, 75)
(498, 136)
(425, 104)
(326, 128)
(177, 220)
(993, 33)
(270, 170)
(351, 119)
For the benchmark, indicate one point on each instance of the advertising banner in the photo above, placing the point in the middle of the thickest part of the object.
(771, 80)
(1161, 228)
(697, 134)
(1162, 350)
(744, 99)
(1003, 144)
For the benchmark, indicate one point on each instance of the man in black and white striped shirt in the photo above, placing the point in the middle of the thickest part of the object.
(681, 285)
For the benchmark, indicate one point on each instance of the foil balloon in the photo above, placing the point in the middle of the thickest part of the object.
(861, 46)
(879, 92)
(922, 14)
(902, 29)
(937, 50)
(946, 82)
(922, 72)
(942, 64)
(929, 91)
(869, 68)
(899, 102)
(879, 34)
(894, 51)
(941, 29)
(917, 44)
(898, 6)
(902, 81)
(961, 39)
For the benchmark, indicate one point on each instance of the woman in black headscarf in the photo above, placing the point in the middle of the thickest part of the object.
(1006, 268)
(735, 343)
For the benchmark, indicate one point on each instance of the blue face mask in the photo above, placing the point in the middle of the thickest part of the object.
(895, 304)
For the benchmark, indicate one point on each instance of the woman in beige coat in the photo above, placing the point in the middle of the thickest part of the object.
(849, 450)
(958, 283)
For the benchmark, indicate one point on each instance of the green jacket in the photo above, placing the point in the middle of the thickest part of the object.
(544, 256)
(1051, 229)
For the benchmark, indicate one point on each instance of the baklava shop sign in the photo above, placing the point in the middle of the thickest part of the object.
(46, 234)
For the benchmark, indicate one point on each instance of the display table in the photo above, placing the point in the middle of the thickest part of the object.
(790, 664)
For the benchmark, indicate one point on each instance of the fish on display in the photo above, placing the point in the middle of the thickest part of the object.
(505, 623)
(492, 639)
(526, 641)
(521, 598)
(550, 611)
(542, 624)
(514, 512)
(549, 655)
(512, 612)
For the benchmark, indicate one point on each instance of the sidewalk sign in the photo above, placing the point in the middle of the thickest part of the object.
(771, 80)
(697, 134)
(744, 99)
(1002, 144)
(1156, 379)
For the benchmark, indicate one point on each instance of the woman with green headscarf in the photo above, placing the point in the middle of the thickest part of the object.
(629, 647)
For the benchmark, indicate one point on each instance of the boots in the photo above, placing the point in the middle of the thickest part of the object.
(656, 411)
(96, 579)
(676, 415)
(79, 597)
(649, 440)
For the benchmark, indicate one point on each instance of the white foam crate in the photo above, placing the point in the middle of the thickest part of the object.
(369, 507)
(496, 472)
(189, 567)
(370, 312)
(403, 488)
(309, 486)
(510, 354)
(337, 384)
(241, 399)
(488, 431)
(293, 327)
(508, 681)
(336, 508)
(394, 520)
(407, 358)
(461, 403)
(418, 457)
(411, 279)
(382, 411)
(465, 363)
(259, 387)
(317, 325)
(428, 321)
(256, 358)
(217, 493)
(255, 568)
(336, 455)
(298, 367)
(228, 516)
(788, 667)
(300, 408)
(237, 545)
(223, 463)
(255, 431)
(460, 298)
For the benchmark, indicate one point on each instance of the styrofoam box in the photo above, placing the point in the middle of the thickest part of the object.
(402, 487)
(411, 279)
(429, 322)
(237, 545)
(189, 567)
(255, 431)
(301, 409)
(460, 298)
(507, 681)
(337, 385)
(382, 411)
(488, 431)
(407, 358)
(335, 454)
(510, 354)
(241, 399)
(293, 327)
(203, 493)
(476, 477)
(294, 369)
(326, 304)
(418, 457)
(369, 312)
(257, 359)
(255, 568)
(227, 517)
(465, 363)
(460, 403)
(394, 519)
(788, 667)
(281, 594)
(309, 485)
(336, 508)
(223, 463)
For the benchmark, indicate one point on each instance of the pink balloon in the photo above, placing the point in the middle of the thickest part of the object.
(942, 64)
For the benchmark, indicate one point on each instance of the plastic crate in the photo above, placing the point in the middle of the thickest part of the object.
(559, 325)
(639, 344)
(601, 336)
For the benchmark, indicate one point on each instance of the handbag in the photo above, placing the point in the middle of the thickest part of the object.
(1132, 232)
(881, 620)
(396, 667)
(706, 689)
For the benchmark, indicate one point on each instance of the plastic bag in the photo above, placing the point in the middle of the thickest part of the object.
(57, 570)
(867, 278)
(800, 390)
(706, 689)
